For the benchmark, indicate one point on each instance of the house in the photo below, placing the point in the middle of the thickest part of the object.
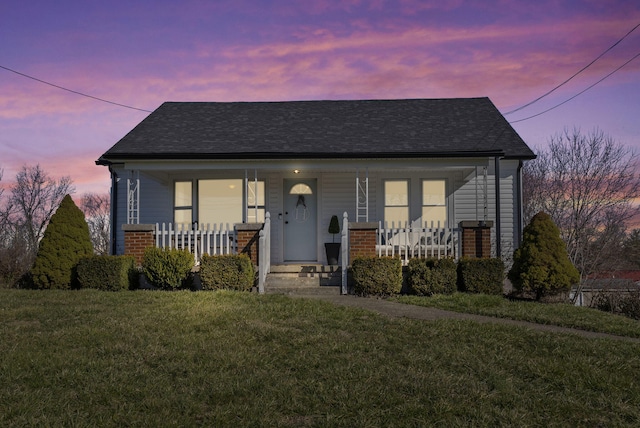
(417, 165)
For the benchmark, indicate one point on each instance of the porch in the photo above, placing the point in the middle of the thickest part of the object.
(471, 239)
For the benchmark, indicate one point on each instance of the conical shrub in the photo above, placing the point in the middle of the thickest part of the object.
(66, 240)
(541, 265)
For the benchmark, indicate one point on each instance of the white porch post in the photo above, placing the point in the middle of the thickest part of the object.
(344, 262)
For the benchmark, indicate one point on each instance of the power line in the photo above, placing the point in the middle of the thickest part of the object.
(72, 91)
(567, 81)
(579, 93)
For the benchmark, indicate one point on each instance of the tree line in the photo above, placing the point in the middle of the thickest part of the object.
(589, 184)
(26, 207)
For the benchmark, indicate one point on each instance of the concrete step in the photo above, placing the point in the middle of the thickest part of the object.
(303, 279)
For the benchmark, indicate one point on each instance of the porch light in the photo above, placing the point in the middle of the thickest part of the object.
(296, 171)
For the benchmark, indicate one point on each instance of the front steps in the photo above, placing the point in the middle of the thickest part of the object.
(303, 279)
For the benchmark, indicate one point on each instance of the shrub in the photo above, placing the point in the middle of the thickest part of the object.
(66, 240)
(432, 276)
(167, 268)
(625, 303)
(377, 276)
(541, 264)
(484, 276)
(230, 272)
(108, 273)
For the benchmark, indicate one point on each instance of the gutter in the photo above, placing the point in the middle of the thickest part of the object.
(297, 155)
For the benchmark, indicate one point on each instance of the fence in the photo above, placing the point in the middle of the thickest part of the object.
(205, 239)
(411, 241)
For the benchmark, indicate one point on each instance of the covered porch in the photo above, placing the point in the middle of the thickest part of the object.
(417, 205)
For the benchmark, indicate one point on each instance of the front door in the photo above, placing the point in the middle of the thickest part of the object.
(300, 224)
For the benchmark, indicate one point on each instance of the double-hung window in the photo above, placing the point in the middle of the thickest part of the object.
(434, 202)
(396, 202)
(183, 204)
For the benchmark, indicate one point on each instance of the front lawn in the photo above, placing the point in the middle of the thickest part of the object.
(89, 358)
(564, 315)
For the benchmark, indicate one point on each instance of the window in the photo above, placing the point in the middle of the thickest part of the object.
(396, 202)
(434, 202)
(183, 203)
(255, 202)
(220, 201)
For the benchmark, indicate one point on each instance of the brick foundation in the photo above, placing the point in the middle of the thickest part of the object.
(362, 239)
(476, 239)
(248, 239)
(137, 237)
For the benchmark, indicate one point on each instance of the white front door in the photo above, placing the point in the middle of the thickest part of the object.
(300, 220)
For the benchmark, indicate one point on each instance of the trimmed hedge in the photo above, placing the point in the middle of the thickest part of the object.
(166, 268)
(377, 276)
(484, 276)
(432, 276)
(228, 272)
(108, 273)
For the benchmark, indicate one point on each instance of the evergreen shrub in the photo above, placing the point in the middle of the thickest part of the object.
(167, 268)
(376, 276)
(66, 240)
(432, 276)
(108, 273)
(484, 276)
(227, 272)
(541, 264)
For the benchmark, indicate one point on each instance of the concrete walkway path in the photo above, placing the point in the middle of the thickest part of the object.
(400, 310)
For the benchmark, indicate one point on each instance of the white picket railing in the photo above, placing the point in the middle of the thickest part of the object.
(205, 239)
(411, 241)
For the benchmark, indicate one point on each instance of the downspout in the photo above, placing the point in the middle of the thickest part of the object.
(114, 209)
(519, 213)
(498, 226)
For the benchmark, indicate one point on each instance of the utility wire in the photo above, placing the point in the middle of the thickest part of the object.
(581, 70)
(579, 93)
(72, 91)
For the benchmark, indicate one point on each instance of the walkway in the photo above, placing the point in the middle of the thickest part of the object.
(400, 310)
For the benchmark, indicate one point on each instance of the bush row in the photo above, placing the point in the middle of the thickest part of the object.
(166, 269)
(621, 303)
(383, 276)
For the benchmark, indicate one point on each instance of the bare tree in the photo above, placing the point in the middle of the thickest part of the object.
(35, 196)
(96, 211)
(587, 184)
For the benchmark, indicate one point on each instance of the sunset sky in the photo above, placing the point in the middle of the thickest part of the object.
(142, 53)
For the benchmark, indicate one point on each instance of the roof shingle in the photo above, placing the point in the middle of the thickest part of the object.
(328, 129)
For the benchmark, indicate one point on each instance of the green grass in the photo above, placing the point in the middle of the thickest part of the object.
(564, 315)
(90, 358)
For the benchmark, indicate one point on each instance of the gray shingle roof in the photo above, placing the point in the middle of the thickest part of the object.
(327, 129)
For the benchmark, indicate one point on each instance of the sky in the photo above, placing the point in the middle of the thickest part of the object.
(140, 53)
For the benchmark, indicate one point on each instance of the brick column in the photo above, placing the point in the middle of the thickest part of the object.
(248, 236)
(362, 239)
(137, 237)
(476, 239)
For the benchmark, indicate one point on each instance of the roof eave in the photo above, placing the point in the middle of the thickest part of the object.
(107, 159)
